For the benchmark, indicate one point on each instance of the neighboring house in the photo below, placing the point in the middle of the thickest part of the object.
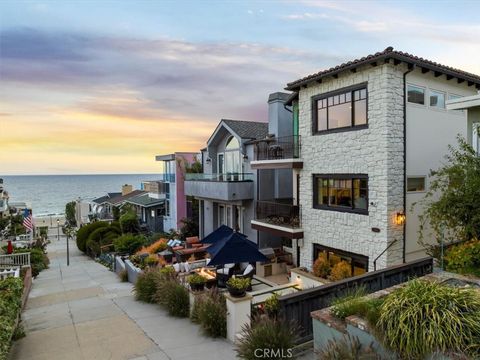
(150, 208)
(83, 212)
(472, 105)
(3, 200)
(227, 189)
(371, 130)
(105, 204)
(177, 206)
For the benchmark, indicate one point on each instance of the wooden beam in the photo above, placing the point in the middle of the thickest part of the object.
(319, 81)
(335, 76)
(470, 83)
(437, 73)
(410, 66)
(353, 70)
(396, 61)
(449, 77)
(374, 64)
(304, 86)
(387, 61)
(460, 81)
(424, 70)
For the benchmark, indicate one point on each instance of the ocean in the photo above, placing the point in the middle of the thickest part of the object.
(48, 194)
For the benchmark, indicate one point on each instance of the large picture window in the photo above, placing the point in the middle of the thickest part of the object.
(341, 110)
(346, 192)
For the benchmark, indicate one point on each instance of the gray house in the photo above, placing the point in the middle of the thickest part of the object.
(228, 189)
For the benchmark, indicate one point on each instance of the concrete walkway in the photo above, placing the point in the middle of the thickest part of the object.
(84, 312)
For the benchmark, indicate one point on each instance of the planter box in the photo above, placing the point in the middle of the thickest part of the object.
(132, 271)
(119, 265)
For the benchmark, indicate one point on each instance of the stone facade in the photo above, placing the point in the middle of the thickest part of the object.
(376, 151)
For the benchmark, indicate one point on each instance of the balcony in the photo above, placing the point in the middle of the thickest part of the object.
(279, 217)
(278, 153)
(224, 187)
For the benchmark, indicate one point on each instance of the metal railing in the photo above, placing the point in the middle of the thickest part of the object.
(15, 260)
(228, 177)
(278, 148)
(6, 273)
(279, 213)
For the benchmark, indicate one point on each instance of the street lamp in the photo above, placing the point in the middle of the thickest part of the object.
(58, 229)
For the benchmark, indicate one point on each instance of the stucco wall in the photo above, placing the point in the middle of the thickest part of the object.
(429, 132)
(376, 151)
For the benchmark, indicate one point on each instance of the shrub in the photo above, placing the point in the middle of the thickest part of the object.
(210, 311)
(267, 333)
(356, 303)
(196, 279)
(321, 266)
(146, 286)
(128, 244)
(348, 348)
(102, 236)
(239, 283)
(123, 275)
(129, 223)
(84, 232)
(171, 294)
(423, 317)
(151, 260)
(154, 248)
(340, 271)
(272, 305)
(464, 258)
(10, 306)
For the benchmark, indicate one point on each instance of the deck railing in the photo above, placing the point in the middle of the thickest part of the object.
(15, 260)
(278, 148)
(279, 213)
(227, 177)
(12, 272)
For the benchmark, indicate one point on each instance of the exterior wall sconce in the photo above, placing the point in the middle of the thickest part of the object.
(400, 218)
(245, 157)
(208, 161)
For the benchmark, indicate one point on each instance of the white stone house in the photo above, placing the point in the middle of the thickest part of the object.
(371, 131)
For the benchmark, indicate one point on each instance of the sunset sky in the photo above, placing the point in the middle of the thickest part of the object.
(104, 86)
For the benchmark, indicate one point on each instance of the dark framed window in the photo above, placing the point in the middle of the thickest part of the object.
(416, 184)
(341, 192)
(358, 262)
(340, 110)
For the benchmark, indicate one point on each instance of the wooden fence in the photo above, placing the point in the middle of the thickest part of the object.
(298, 306)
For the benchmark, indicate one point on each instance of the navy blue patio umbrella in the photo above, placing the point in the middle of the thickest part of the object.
(219, 234)
(236, 248)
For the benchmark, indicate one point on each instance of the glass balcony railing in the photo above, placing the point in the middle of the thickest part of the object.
(279, 212)
(229, 177)
(279, 148)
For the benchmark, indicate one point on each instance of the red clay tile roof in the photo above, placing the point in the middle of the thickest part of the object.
(385, 55)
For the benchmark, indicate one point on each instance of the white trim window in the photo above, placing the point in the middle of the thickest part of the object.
(437, 99)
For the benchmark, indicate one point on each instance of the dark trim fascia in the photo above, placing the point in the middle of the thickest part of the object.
(277, 232)
(340, 130)
(354, 256)
(341, 90)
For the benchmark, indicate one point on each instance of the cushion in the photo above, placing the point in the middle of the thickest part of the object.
(223, 271)
(248, 269)
(176, 267)
(243, 265)
(207, 261)
(186, 267)
(192, 240)
(170, 242)
(229, 266)
(196, 245)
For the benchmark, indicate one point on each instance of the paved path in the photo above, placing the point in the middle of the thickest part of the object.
(84, 312)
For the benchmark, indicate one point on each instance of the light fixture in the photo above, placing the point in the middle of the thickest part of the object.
(208, 161)
(245, 157)
(400, 218)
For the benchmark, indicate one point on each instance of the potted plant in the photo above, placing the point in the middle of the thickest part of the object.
(196, 282)
(237, 287)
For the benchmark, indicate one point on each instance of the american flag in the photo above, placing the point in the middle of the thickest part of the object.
(27, 220)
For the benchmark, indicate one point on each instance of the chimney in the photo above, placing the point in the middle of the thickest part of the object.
(126, 189)
(280, 120)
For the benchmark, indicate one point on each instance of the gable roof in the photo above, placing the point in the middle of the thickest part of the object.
(121, 198)
(145, 200)
(397, 57)
(104, 198)
(248, 129)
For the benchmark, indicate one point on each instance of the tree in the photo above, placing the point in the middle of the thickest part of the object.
(84, 233)
(116, 213)
(70, 213)
(129, 223)
(452, 204)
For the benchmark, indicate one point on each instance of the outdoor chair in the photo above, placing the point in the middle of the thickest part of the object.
(223, 274)
(247, 273)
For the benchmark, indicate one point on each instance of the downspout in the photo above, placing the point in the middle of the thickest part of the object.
(404, 252)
